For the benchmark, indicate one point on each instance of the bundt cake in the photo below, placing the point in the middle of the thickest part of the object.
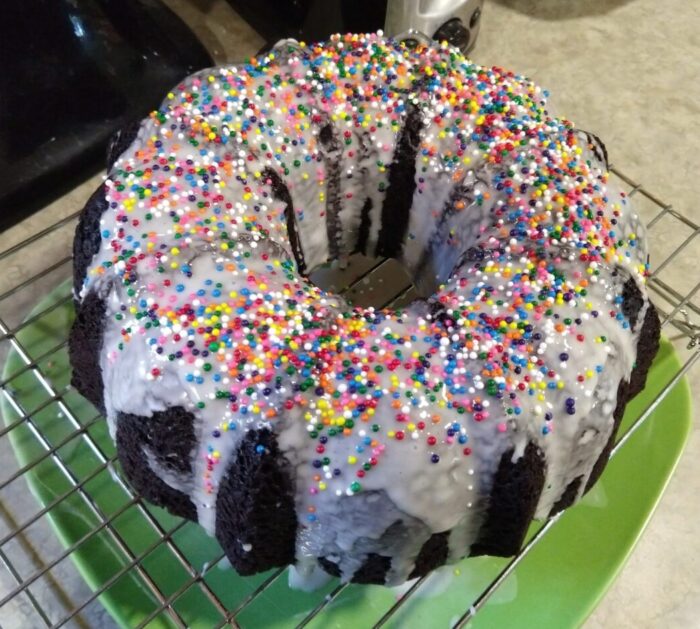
(371, 444)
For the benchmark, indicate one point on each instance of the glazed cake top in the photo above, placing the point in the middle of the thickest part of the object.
(522, 340)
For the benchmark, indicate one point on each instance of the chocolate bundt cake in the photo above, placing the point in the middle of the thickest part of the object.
(374, 445)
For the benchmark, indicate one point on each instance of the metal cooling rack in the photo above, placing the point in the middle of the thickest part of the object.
(36, 581)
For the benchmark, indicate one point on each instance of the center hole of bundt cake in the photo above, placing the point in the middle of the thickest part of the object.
(367, 281)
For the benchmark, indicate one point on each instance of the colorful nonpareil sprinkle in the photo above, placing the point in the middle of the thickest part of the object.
(203, 245)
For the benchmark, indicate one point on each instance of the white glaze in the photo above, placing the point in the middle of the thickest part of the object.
(427, 498)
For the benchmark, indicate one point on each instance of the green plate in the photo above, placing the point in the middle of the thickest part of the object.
(556, 584)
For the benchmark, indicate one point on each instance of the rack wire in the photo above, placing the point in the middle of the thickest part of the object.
(39, 584)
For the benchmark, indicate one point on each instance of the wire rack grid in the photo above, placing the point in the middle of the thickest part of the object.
(38, 583)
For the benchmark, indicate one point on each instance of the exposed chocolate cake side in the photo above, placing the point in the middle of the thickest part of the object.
(85, 347)
(256, 520)
(158, 445)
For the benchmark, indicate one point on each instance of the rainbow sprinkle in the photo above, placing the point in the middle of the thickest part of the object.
(201, 249)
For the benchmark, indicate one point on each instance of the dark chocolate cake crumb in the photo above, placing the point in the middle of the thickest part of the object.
(648, 346)
(402, 184)
(373, 570)
(281, 193)
(84, 346)
(511, 506)
(632, 301)
(332, 154)
(365, 225)
(329, 566)
(568, 497)
(169, 435)
(433, 554)
(256, 519)
(134, 433)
